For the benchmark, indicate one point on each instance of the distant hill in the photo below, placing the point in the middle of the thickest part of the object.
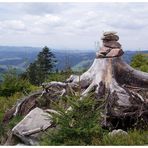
(21, 57)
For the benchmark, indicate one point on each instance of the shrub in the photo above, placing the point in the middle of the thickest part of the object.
(9, 102)
(56, 77)
(12, 83)
(76, 127)
(140, 62)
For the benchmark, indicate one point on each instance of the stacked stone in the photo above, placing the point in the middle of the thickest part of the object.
(111, 47)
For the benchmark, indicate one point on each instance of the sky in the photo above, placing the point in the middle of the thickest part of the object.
(73, 25)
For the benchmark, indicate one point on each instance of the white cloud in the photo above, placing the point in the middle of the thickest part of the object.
(49, 19)
(73, 25)
(12, 25)
(44, 8)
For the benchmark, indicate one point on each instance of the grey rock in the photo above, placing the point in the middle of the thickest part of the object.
(109, 33)
(117, 133)
(110, 38)
(107, 53)
(32, 125)
(104, 50)
(112, 44)
(116, 52)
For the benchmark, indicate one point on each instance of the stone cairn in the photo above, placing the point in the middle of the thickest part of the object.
(111, 47)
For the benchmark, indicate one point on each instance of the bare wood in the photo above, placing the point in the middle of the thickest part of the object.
(125, 74)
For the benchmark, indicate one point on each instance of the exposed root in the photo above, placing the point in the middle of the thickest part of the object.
(102, 80)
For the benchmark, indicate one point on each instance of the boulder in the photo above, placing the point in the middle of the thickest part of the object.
(116, 52)
(34, 123)
(112, 44)
(104, 50)
(110, 38)
(117, 133)
(109, 33)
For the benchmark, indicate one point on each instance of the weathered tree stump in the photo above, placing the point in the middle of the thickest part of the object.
(111, 78)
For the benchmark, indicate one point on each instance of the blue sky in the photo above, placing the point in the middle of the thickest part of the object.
(73, 25)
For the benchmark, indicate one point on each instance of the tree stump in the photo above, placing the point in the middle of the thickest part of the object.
(123, 88)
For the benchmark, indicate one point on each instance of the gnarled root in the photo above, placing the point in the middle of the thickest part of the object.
(115, 79)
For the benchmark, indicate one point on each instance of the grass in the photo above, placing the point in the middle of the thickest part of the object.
(56, 77)
(14, 121)
(135, 137)
(8, 102)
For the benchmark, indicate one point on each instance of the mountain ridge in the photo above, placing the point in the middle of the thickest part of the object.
(21, 56)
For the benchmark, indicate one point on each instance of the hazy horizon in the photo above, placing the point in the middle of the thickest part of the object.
(62, 49)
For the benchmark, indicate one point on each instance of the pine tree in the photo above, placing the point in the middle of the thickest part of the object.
(38, 71)
(32, 73)
(45, 62)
